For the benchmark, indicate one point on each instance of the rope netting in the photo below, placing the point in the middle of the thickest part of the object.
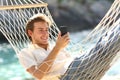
(13, 21)
(90, 65)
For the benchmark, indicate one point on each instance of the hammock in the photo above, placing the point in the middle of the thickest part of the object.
(91, 64)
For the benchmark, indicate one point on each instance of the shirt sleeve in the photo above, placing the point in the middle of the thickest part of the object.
(26, 59)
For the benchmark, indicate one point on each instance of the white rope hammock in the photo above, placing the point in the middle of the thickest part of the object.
(91, 65)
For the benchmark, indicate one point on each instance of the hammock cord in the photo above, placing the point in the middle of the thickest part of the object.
(91, 64)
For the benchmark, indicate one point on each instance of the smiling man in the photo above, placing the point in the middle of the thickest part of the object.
(40, 59)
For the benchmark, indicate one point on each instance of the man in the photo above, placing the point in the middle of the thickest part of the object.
(40, 59)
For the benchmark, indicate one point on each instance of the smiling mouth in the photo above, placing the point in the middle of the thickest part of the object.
(45, 39)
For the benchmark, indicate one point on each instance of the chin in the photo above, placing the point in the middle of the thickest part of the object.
(45, 43)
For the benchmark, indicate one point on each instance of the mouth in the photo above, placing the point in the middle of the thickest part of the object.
(44, 39)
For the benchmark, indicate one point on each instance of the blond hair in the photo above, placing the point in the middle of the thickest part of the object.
(36, 18)
(42, 16)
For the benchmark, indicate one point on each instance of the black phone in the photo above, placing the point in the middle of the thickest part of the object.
(63, 30)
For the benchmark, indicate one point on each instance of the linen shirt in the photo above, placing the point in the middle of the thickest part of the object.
(34, 55)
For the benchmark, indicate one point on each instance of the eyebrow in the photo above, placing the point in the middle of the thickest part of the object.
(42, 28)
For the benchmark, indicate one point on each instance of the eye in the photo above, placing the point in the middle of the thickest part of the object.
(40, 30)
(47, 30)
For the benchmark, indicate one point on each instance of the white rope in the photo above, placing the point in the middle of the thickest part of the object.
(109, 19)
(90, 64)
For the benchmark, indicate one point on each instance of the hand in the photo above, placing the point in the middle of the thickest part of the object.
(62, 41)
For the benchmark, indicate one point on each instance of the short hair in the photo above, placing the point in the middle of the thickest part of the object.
(36, 18)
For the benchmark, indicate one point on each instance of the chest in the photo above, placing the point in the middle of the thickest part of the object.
(40, 55)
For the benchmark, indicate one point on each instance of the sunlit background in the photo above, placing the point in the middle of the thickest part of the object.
(81, 16)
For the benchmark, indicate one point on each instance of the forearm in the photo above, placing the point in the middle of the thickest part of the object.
(48, 62)
(42, 69)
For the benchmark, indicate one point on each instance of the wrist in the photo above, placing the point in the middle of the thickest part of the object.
(57, 48)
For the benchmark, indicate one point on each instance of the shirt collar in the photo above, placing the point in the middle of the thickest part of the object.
(35, 46)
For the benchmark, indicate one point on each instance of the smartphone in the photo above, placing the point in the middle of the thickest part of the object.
(63, 30)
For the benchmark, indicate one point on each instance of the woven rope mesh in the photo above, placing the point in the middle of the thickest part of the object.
(13, 21)
(91, 64)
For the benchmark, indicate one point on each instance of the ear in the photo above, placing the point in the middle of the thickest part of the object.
(30, 33)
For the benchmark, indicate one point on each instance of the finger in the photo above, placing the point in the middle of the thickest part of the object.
(67, 38)
(67, 42)
(66, 35)
(59, 34)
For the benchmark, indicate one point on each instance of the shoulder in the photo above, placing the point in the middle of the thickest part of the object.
(24, 52)
(26, 49)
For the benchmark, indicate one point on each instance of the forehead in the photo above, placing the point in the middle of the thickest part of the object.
(41, 24)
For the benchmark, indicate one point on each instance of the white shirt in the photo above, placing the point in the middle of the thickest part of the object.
(34, 55)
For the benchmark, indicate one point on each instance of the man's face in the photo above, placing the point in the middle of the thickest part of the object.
(40, 33)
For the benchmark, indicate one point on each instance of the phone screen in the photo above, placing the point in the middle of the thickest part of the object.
(63, 30)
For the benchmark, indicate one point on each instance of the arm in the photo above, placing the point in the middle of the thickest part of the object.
(45, 66)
